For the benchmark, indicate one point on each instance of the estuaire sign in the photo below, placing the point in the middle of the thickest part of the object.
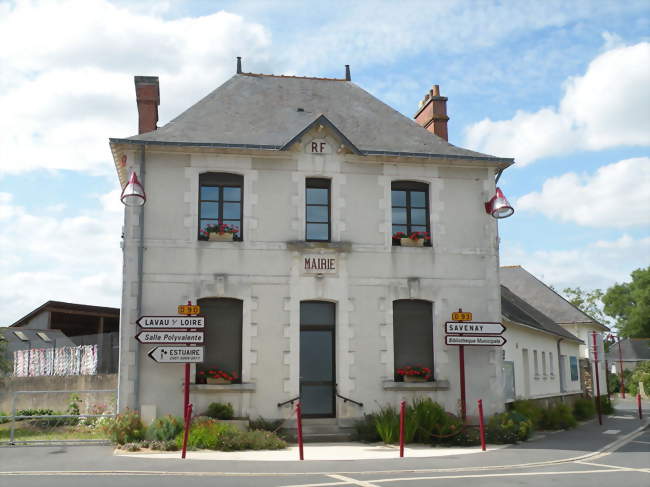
(180, 355)
(485, 341)
(319, 264)
(474, 328)
(171, 337)
(171, 321)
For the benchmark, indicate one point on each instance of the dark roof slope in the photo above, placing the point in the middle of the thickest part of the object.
(632, 350)
(35, 338)
(62, 306)
(266, 112)
(517, 310)
(542, 297)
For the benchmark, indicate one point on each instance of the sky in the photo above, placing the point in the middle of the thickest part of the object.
(562, 87)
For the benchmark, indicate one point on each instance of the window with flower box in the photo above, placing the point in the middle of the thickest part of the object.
(220, 203)
(412, 336)
(223, 338)
(410, 211)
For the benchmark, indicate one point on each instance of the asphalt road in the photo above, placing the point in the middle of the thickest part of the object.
(618, 452)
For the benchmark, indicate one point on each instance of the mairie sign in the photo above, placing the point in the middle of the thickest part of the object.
(486, 341)
(474, 328)
(179, 355)
(171, 321)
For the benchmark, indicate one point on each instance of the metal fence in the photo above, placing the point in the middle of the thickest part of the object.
(81, 422)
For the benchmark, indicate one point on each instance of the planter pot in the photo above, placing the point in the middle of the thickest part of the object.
(220, 237)
(217, 380)
(414, 378)
(407, 242)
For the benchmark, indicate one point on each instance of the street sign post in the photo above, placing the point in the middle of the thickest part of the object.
(177, 355)
(171, 322)
(481, 341)
(474, 328)
(165, 337)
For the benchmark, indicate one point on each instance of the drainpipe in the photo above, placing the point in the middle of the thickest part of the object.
(136, 364)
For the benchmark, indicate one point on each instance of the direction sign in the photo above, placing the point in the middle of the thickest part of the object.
(474, 328)
(169, 337)
(485, 341)
(180, 355)
(171, 321)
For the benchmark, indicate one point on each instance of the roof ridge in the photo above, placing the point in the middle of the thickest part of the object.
(262, 75)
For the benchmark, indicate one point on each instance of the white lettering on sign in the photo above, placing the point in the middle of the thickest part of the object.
(320, 264)
(177, 354)
(318, 146)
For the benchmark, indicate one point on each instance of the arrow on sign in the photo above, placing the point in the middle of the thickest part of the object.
(474, 328)
(481, 341)
(180, 355)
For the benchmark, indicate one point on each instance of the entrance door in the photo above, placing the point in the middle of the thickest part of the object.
(317, 351)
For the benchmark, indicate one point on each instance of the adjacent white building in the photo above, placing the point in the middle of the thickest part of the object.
(313, 297)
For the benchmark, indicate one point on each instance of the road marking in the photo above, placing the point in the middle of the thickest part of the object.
(642, 442)
(348, 480)
(611, 432)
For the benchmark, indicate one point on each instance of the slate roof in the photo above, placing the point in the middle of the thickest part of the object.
(267, 112)
(537, 294)
(632, 350)
(515, 309)
(34, 340)
(61, 306)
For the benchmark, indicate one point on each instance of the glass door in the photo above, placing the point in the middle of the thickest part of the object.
(317, 365)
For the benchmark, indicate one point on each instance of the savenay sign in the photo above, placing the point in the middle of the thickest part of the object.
(171, 337)
(171, 321)
(473, 328)
(180, 355)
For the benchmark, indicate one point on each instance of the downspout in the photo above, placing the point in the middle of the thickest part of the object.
(136, 362)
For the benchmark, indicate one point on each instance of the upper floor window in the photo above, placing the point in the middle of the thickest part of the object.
(317, 198)
(220, 202)
(410, 210)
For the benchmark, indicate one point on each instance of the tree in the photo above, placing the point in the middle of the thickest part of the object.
(5, 365)
(587, 301)
(629, 304)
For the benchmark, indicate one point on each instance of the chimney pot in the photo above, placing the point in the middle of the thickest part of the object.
(432, 113)
(147, 97)
(238, 64)
(347, 73)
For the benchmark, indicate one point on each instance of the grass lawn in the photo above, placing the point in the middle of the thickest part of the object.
(27, 431)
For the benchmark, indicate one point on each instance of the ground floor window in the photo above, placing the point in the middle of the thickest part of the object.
(574, 367)
(412, 335)
(223, 338)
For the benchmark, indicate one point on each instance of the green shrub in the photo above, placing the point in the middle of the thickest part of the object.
(133, 446)
(557, 417)
(447, 428)
(606, 406)
(429, 415)
(34, 412)
(4, 417)
(169, 445)
(125, 428)
(365, 429)
(218, 410)
(466, 437)
(261, 424)
(387, 424)
(641, 374)
(165, 428)
(530, 410)
(253, 440)
(210, 434)
(584, 409)
(508, 427)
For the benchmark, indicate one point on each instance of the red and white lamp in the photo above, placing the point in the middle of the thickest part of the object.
(498, 206)
(133, 193)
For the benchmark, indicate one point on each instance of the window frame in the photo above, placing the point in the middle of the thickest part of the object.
(319, 183)
(409, 187)
(221, 180)
(397, 303)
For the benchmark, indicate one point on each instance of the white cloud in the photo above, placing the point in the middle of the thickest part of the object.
(617, 195)
(598, 265)
(66, 86)
(607, 107)
(75, 259)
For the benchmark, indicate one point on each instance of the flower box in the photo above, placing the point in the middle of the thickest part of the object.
(410, 242)
(217, 380)
(415, 378)
(220, 237)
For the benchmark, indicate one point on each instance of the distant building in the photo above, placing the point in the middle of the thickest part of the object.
(632, 351)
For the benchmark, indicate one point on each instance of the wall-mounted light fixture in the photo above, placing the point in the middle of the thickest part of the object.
(133, 193)
(498, 206)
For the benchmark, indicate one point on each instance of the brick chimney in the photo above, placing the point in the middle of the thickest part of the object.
(432, 114)
(147, 96)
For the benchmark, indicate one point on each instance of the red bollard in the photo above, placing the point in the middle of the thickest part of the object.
(402, 415)
(481, 423)
(299, 424)
(188, 419)
(638, 403)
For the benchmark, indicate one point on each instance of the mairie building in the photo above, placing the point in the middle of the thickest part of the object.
(315, 291)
